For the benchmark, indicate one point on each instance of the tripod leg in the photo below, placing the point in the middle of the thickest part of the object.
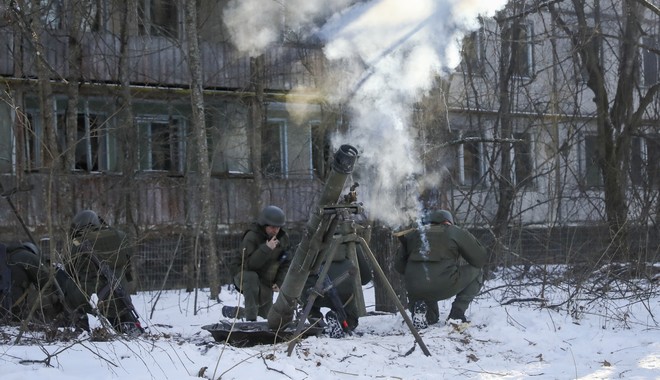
(392, 294)
(329, 255)
(357, 281)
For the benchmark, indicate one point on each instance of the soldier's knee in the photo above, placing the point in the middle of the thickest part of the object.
(246, 280)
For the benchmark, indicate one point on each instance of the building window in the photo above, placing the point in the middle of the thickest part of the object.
(95, 16)
(32, 142)
(299, 149)
(158, 18)
(523, 159)
(93, 144)
(650, 61)
(472, 53)
(229, 146)
(52, 12)
(592, 177)
(645, 161)
(469, 165)
(95, 147)
(520, 36)
(273, 149)
(286, 142)
(287, 145)
(162, 144)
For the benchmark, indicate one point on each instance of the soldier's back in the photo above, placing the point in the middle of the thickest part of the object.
(111, 246)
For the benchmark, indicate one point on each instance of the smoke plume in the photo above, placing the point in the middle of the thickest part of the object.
(384, 56)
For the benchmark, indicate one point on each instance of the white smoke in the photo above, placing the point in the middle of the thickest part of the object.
(256, 24)
(385, 55)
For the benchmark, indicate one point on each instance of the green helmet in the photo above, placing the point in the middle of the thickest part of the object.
(85, 219)
(271, 216)
(439, 216)
(31, 247)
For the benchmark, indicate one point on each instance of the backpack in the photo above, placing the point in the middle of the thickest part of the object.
(111, 247)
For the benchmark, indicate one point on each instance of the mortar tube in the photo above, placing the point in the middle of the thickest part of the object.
(281, 313)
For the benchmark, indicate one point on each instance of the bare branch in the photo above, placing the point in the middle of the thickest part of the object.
(650, 6)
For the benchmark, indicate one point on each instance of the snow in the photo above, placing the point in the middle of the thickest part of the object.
(583, 337)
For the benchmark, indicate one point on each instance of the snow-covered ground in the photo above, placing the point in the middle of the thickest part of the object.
(598, 339)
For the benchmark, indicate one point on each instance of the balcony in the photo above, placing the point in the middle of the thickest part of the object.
(157, 61)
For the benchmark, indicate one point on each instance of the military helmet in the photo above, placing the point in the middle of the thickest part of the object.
(31, 247)
(271, 216)
(440, 216)
(85, 219)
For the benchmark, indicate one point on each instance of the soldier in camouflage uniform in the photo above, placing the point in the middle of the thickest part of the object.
(26, 276)
(30, 283)
(341, 264)
(440, 260)
(261, 265)
(111, 247)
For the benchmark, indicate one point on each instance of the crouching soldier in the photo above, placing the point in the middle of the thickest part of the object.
(24, 282)
(262, 263)
(99, 263)
(439, 261)
(341, 297)
(21, 273)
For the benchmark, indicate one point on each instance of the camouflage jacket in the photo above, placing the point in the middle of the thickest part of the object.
(254, 255)
(444, 244)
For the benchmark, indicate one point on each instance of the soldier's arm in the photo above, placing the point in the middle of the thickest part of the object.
(471, 249)
(257, 253)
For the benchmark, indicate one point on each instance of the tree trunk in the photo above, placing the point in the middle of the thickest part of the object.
(50, 152)
(75, 59)
(204, 232)
(257, 122)
(613, 142)
(384, 247)
(126, 133)
(503, 130)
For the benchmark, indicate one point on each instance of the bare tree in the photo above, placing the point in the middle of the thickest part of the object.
(541, 73)
(257, 123)
(508, 60)
(126, 130)
(28, 16)
(204, 231)
(74, 21)
(620, 110)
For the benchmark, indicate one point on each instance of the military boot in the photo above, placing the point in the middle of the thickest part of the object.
(457, 315)
(333, 326)
(233, 312)
(315, 318)
(419, 315)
